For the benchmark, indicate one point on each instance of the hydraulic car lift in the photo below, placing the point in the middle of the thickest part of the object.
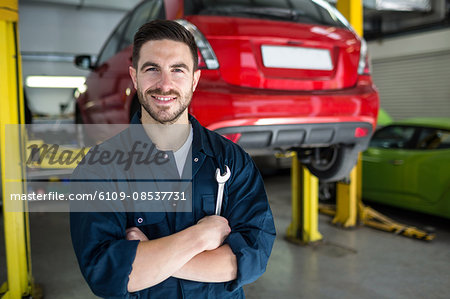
(349, 207)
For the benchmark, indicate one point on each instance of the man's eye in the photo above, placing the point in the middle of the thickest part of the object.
(151, 69)
(178, 70)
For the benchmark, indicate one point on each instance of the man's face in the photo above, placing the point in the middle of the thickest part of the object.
(165, 80)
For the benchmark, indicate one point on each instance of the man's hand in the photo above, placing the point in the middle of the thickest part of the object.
(214, 230)
(160, 258)
(134, 233)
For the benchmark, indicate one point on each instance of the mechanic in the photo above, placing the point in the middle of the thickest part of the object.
(194, 254)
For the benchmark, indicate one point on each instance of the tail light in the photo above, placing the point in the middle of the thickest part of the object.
(206, 58)
(364, 63)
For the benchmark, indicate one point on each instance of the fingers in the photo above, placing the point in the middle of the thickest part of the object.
(134, 233)
(214, 230)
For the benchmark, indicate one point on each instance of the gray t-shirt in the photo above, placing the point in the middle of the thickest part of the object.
(182, 153)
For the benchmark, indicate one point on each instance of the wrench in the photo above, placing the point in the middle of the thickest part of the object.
(221, 180)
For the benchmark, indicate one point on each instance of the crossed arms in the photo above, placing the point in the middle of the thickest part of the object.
(195, 253)
(108, 252)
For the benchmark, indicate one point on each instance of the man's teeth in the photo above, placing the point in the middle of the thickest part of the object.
(164, 98)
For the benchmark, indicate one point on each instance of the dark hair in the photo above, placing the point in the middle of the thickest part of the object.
(163, 29)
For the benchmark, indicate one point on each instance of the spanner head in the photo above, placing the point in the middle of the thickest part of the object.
(223, 178)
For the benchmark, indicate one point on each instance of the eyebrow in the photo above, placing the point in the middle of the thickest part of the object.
(176, 65)
(180, 65)
(147, 64)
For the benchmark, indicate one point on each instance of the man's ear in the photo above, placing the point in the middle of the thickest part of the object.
(132, 72)
(197, 74)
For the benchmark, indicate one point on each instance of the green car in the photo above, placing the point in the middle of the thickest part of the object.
(407, 165)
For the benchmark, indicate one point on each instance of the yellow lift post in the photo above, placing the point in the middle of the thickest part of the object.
(304, 226)
(305, 200)
(347, 196)
(346, 192)
(352, 10)
(16, 225)
(349, 206)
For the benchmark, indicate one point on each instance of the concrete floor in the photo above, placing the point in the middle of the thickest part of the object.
(355, 263)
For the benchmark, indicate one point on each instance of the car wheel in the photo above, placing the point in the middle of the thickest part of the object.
(333, 163)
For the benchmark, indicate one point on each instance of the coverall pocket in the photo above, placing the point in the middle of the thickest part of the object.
(208, 204)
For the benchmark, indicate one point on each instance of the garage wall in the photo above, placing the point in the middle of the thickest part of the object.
(50, 36)
(412, 74)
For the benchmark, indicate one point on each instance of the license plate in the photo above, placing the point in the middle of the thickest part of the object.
(296, 58)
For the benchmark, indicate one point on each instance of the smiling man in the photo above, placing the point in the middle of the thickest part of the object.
(189, 254)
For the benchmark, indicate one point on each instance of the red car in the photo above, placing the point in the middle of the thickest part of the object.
(285, 75)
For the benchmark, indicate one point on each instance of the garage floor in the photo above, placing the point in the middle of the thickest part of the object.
(355, 263)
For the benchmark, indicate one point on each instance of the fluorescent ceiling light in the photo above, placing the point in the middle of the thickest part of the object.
(55, 81)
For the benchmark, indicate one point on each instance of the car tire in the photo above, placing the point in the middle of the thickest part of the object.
(335, 163)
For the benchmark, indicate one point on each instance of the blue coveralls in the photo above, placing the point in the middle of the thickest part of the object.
(105, 257)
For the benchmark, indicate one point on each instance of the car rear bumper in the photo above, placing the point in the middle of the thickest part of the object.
(265, 139)
(215, 103)
(279, 119)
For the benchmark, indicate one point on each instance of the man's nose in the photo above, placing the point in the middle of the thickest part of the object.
(165, 82)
